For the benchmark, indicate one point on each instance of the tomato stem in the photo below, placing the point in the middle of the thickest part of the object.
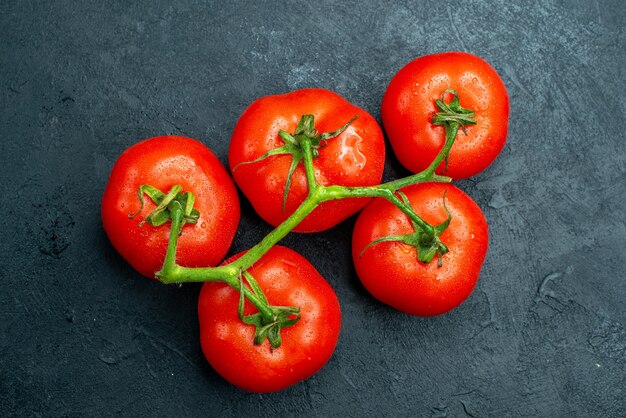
(452, 116)
(304, 145)
(452, 130)
(308, 165)
(426, 244)
(169, 264)
(271, 239)
(173, 273)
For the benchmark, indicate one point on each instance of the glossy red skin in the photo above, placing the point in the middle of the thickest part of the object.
(391, 272)
(287, 279)
(163, 162)
(355, 158)
(409, 105)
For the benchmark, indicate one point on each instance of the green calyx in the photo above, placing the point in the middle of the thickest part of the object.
(427, 245)
(305, 131)
(273, 318)
(451, 116)
(452, 112)
(165, 202)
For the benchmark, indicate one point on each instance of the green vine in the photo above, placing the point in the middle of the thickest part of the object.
(303, 145)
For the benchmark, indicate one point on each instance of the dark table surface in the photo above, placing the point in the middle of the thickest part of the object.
(543, 334)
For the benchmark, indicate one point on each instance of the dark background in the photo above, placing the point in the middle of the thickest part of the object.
(543, 334)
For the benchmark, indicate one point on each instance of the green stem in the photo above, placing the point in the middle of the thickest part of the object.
(308, 164)
(452, 117)
(173, 273)
(170, 267)
(341, 192)
(452, 129)
(271, 239)
(421, 177)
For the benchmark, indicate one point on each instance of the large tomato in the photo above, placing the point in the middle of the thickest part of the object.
(287, 279)
(354, 158)
(390, 270)
(409, 105)
(163, 162)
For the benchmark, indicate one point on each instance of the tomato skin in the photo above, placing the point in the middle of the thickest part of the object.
(163, 162)
(287, 279)
(391, 272)
(354, 158)
(409, 105)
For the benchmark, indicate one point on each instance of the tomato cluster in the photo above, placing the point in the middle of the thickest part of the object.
(418, 249)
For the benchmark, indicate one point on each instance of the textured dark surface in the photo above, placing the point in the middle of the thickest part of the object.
(544, 333)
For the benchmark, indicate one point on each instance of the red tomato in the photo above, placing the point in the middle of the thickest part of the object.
(163, 162)
(287, 279)
(409, 105)
(391, 272)
(354, 158)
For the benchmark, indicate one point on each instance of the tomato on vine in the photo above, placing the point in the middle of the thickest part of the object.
(306, 161)
(265, 154)
(386, 246)
(144, 179)
(306, 344)
(411, 101)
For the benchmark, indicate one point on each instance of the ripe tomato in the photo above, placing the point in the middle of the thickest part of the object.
(354, 158)
(163, 162)
(391, 272)
(409, 105)
(287, 279)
